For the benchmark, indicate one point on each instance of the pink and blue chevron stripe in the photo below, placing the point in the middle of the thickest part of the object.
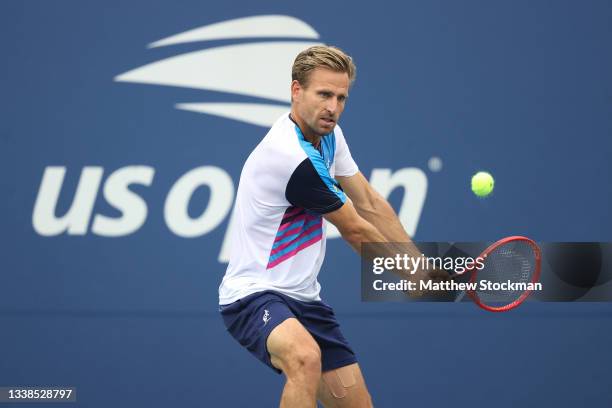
(298, 230)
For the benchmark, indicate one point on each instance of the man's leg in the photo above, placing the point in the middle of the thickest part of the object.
(293, 350)
(344, 387)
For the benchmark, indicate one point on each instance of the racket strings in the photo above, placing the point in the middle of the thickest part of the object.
(509, 264)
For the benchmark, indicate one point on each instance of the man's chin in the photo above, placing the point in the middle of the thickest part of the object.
(322, 130)
(326, 129)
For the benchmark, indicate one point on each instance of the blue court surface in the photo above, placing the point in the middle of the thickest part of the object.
(429, 355)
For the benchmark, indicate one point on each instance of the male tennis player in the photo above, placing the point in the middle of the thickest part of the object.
(298, 175)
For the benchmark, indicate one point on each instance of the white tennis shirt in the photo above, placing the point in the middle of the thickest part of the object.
(278, 232)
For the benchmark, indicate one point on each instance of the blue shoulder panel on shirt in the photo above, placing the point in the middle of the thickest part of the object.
(321, 162)
(328, 148)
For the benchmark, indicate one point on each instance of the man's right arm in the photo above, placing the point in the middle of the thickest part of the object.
(353, 228)
(356, 230)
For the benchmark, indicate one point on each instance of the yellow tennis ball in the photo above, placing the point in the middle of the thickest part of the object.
(482, 183)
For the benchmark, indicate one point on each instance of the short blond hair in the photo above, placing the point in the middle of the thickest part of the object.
(322, 56)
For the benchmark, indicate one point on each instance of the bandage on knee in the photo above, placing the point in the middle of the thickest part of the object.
(339, 380)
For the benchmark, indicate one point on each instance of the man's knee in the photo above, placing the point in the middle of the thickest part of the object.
(294, 351)
(303, 360)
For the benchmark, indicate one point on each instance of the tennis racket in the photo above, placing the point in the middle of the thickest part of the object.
(509, 266)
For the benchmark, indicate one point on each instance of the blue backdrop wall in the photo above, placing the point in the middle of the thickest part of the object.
(114, 290)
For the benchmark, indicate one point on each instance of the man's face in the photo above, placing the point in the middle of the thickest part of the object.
(321, 102)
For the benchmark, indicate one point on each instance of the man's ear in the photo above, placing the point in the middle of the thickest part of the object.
(296, 87)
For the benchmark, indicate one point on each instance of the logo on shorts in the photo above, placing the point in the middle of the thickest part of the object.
(266, 317)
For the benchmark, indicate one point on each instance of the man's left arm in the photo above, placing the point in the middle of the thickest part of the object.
(371, 206)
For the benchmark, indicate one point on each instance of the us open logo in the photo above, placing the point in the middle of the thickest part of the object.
(217, 68)
(259, 69)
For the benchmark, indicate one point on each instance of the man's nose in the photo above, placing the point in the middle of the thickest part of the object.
(332, 105)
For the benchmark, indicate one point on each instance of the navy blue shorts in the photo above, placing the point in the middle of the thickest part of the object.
(251, 319)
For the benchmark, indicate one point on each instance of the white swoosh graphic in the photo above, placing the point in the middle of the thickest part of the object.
(258, 114)
(260, 69)
(247, 27)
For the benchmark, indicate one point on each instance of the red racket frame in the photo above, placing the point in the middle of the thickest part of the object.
(535, 277)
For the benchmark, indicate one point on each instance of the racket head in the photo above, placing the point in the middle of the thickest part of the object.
(508, 253)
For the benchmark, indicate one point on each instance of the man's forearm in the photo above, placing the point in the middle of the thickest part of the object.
(367, 232)
(387, 246)
(356, 229)
(382, 216)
